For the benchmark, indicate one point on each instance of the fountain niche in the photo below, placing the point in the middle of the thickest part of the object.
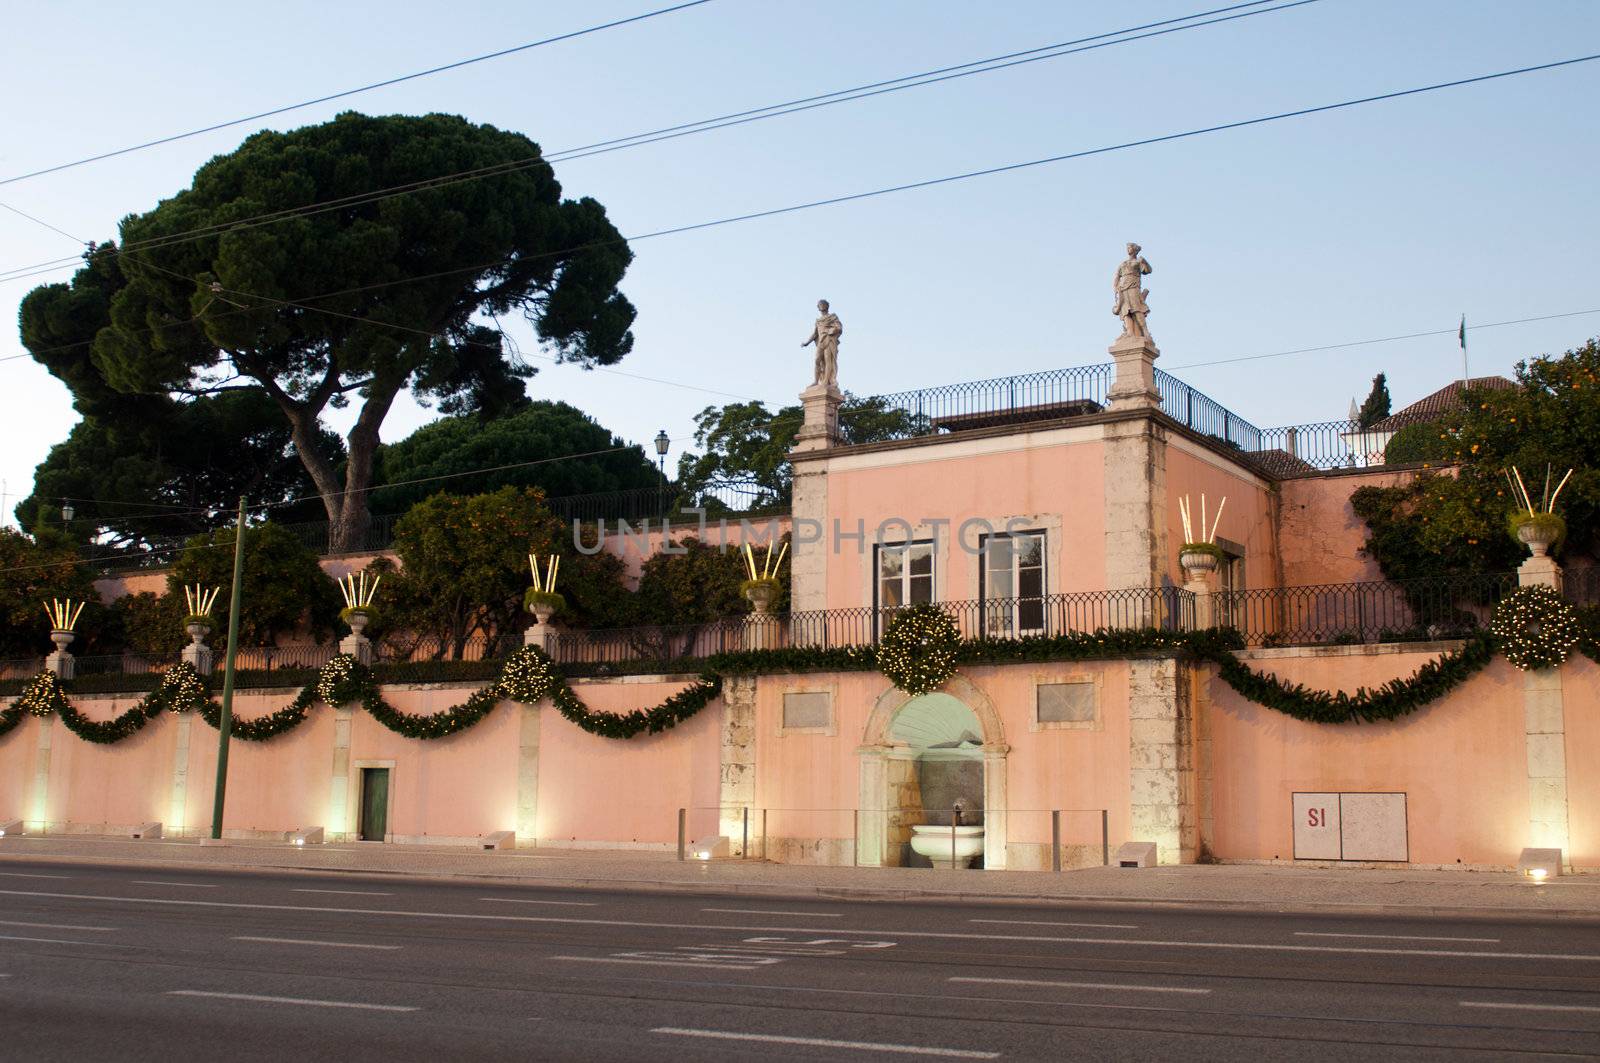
(935, 783)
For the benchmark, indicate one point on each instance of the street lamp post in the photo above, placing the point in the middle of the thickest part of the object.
(663, 442)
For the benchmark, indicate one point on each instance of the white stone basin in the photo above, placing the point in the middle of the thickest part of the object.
(947, 847)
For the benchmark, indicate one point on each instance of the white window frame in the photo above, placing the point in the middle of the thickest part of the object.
(880, 611)
(1010, 625)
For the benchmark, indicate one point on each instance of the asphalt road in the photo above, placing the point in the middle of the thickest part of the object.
(129, 963)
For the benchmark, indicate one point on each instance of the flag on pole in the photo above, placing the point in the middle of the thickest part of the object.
(1465, 376)
(1463, 332)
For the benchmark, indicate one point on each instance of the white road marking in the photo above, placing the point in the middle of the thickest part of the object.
(823, 1042)
(1084, 985)
(1528, 1007)
(558, 904)
(930, 934)
(186, 885)
(53, 926)
(327, 944)
(19, 874)
(657, 963)
(767, 911)
(1040, 922)
(1391, 937)
(769, 950)
(347, 893)
(62, 941)
(289, 1000)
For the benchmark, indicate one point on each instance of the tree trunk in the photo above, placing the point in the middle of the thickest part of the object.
(350, 515)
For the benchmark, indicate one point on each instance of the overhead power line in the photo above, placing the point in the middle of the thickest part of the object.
(1451, 331)
(353, 92)
(41, 221)
(807, 103)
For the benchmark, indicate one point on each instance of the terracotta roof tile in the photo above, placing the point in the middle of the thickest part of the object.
(1441, 402)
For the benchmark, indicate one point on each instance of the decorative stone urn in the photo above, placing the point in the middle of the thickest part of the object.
(762, 593)
(358, 621)
(61, 662)
(62, 639)
(197, 654)
(542, 612)
(197, 632)
(1197, 563)
(356, 644)
(1538, 536)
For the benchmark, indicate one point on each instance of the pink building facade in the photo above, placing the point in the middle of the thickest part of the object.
(1039, 517)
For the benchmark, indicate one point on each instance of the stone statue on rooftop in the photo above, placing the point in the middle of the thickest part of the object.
(1131, 306)
(825, 334)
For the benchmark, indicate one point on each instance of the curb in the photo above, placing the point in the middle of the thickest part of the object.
(779, 891)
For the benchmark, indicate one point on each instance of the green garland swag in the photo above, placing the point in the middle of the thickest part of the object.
(181, 690)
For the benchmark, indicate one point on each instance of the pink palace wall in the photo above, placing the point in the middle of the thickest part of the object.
(1059, 482)
(1460, 760)
(1246, 518)
(1320, 535)
(1580, 694)
(810, 782)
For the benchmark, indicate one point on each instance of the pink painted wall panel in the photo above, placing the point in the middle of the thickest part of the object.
(277, 785)
(1064, 480)
(17, 751)
(462, 786)
(1246, 518)
(1460, 761)
(1580, 695)
(123, 784)
(629, 791)
(1321, 535)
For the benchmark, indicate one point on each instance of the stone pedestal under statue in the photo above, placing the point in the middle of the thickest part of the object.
(820, 428)
(1134, 386)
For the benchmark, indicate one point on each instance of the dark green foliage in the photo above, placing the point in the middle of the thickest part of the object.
(31, 571)
(463, 569)
(700, 584)
(285, 590)
(1441, 525)
(420, 271)
(1376, 407)
(153, 623)
(536, 432)
(746, 443)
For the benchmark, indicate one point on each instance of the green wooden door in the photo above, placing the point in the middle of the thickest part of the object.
(374, 804)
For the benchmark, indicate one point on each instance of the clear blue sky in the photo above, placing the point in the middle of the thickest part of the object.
(1392, 218)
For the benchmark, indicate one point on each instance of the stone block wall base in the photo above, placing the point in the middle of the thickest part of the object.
(1541, 572)
(1134, 386)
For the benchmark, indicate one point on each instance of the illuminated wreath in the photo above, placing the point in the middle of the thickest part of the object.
(1536, 628)
(340, 681)
(529, 676)
(918, 650)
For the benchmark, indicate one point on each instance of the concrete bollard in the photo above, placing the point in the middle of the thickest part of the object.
(1136, 854)
(500, 839)
(146, 830)
(10, 828)
(304, 836)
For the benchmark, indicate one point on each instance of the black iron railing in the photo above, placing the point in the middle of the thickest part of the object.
(1008, 400)
(1351, 613)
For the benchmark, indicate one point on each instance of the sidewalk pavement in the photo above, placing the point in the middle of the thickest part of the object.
(1276, 887)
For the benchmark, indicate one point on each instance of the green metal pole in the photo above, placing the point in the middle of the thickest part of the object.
(226, 726)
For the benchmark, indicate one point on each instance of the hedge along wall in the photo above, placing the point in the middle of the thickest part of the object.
(445, 790)
(1460, 758)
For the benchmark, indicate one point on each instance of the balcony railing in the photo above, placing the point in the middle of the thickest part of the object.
(1327, 614)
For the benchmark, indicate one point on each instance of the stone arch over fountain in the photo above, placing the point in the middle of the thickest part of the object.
(883, 754)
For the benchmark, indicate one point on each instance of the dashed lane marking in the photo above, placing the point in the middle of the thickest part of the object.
(658, 963)
(824, 1042)
(557, 904)
(346, 893)
(62, 941)
(324, 944)
(768, 911)
(1529, 1007)
(185, 885)
(289, 1000)
(1040, 922)
(53, 926)
(1393, 937)
(1085, 985)
(20, 874)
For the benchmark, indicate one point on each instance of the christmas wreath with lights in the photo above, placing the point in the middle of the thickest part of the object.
(919, 648)
(1536, 628)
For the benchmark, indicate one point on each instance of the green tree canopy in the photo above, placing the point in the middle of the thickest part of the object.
(534, 433)
(164, 469)
(321, 308)
(1442, 525)
(1376, 408)
(746, 444)
(33, 571)
(285, 590)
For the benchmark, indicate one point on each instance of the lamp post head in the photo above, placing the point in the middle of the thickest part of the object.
(66, 511)
(662, 443)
